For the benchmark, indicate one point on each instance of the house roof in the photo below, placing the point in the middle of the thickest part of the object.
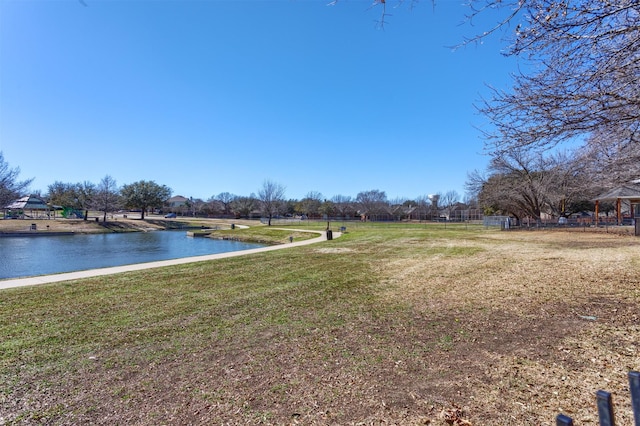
(177, 199)
(627, 191)
(28, 203)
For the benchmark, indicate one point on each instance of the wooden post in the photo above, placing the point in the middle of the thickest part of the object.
(619, 210)
(597, 212)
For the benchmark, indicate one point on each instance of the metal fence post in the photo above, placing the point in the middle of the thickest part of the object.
(605, 408)
(605, 405)
(634, 387)
(562, 420)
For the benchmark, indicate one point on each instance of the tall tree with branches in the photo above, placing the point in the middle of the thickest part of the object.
(372, 203)
(144, 195)
(10, 187)
(107, 196)
(586, 55)
(272, 200)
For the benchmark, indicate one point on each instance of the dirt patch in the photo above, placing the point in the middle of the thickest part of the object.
(334, 250)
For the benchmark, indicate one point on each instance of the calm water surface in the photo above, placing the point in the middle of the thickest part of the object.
(29, 256)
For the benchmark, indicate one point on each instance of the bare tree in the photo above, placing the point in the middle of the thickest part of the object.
(569, 188)
(243, 206)
(448, 200)
(587, 54)
(225, 199)
(528, 184)
(86, 192)
(10, 187)
(343, 205)
(107, 196)
(470, 200)
(372, 203)
(610, 159)
(515, 185)
(271, 197)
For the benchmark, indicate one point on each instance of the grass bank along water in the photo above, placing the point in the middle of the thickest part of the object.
(119, 224)
(398, 324)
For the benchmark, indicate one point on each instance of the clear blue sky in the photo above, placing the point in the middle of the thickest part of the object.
(218, 96)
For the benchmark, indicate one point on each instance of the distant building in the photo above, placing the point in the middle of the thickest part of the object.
(628, 194)
(177, 201)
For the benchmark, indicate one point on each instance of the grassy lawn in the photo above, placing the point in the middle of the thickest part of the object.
(259, 234)
(389, 324)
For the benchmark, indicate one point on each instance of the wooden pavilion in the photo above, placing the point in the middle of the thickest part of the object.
(629, 193)
(35, 206)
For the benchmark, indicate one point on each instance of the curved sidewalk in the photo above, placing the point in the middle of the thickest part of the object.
(67, 276)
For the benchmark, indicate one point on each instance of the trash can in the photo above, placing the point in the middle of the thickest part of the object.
(329, 234)
(233, 226)
(33, 226)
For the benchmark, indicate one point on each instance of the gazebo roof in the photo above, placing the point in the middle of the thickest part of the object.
(627, 191)
(28, 203)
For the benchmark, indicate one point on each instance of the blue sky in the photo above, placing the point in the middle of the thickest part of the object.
(218, 96)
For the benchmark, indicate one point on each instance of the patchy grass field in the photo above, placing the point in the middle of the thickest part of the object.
(385, 325)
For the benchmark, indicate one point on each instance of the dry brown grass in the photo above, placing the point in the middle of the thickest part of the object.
(382, 326)
(538, 321)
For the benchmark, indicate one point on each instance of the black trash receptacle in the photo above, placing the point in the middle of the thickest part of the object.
(34, 227)
(233, 226)
(329, 234)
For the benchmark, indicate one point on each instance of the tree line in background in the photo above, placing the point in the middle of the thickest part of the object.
(269, 202)
(527, 184)
(523, 185)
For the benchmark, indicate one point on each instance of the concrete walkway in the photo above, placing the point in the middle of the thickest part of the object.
(44, 279)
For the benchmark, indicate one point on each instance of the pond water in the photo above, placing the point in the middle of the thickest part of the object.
(30, 256)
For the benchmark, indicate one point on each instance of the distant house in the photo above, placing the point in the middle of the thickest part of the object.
(177, 201)
(27, 207)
